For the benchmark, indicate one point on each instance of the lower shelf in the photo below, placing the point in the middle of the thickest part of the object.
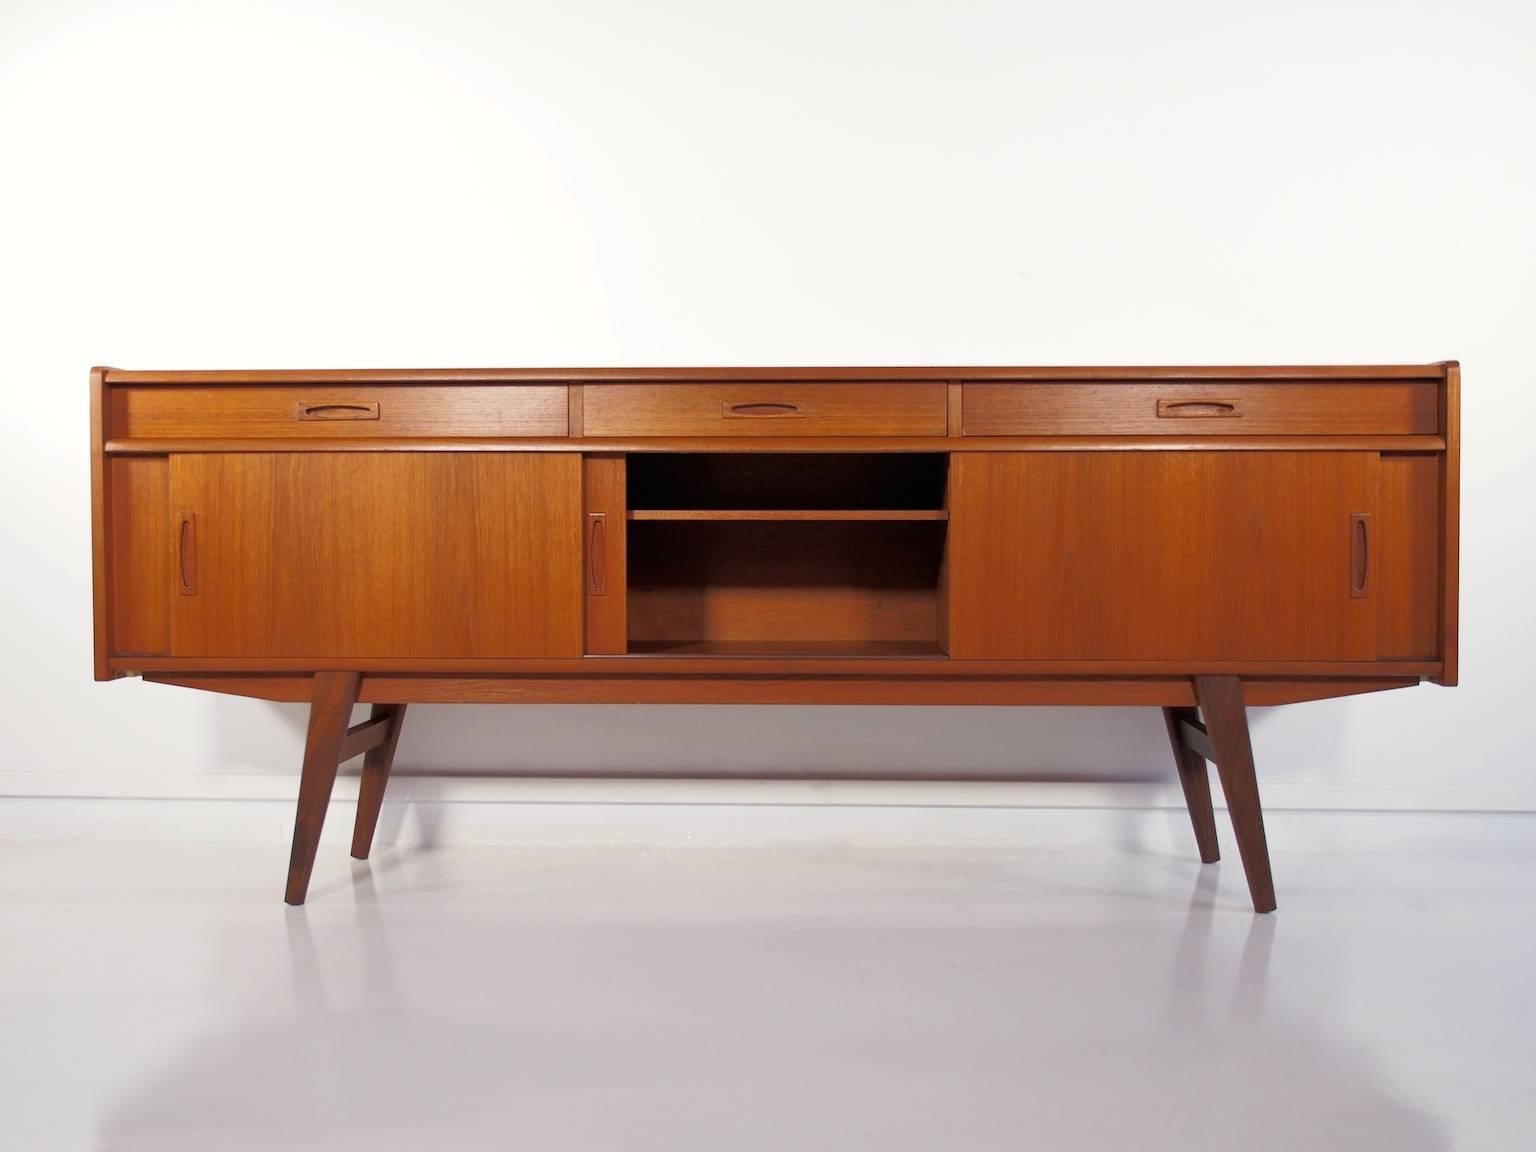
(787, 588)
(791, 649)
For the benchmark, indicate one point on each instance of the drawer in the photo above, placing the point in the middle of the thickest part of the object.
(1204, 408)
(765, 408)
(331, 411)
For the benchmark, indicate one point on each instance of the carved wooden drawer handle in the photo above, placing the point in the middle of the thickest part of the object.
(597, 553)
(1359, 555)
(764, 408)
(338, 410)
(1194, 408)
(186, 554)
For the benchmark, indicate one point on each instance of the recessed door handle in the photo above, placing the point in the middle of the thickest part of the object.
(764, 408)
(186, 554)
(338, 410)
(1174, 409)
(1359, 555)
(597, 553)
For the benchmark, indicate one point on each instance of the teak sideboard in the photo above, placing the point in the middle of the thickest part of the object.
(1193, 539)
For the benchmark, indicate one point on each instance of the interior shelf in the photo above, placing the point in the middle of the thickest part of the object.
(791, 649)
(829, 514)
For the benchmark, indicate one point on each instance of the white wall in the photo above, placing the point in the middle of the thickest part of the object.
(449, 183)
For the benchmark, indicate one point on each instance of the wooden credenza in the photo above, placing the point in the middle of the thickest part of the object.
(1194, 539)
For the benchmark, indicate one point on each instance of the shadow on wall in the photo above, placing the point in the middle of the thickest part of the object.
(911, 1025)
(735, 742)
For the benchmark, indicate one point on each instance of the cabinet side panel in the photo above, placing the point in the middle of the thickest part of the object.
(1408, 554)
(101, 607)
(1450, 525)
(139, 522)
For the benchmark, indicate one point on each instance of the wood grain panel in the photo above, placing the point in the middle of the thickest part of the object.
(954, 396)
(765, 408)
(140, 524)
(773, 690)
(1164, 556)
(607, 579)
(1407, 545)
(686, 689)
(1209, 408)
(381, 555)
(331, 411)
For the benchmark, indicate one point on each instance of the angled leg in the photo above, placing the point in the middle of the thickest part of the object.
(376, 766)
(1226, 722)
(1196, 779)
(330, 709)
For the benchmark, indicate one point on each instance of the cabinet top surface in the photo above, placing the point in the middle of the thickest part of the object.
(830, 375)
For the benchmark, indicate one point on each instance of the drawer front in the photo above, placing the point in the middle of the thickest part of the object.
(1206, 408)
(331, 411)
(765, 408)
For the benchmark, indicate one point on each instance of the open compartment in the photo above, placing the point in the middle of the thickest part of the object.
(666, 482)
(789, 554)
(861, 588)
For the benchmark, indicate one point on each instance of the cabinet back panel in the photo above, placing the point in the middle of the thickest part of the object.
(776, 480)
(474, 555)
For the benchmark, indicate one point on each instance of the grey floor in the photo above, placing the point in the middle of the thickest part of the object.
(1068, 995)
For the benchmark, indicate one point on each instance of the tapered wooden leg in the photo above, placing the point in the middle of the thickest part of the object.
(1226, 722)
(330, 710)
(1196, 779)
(376, 766)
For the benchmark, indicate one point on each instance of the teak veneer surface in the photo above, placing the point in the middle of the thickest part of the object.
(381, 555)
(1165, 556)
(1197, 539)
(329, 411)
(605, 490)
(1211, 408)
(765, 409)
(903, 691)
(140, 526)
